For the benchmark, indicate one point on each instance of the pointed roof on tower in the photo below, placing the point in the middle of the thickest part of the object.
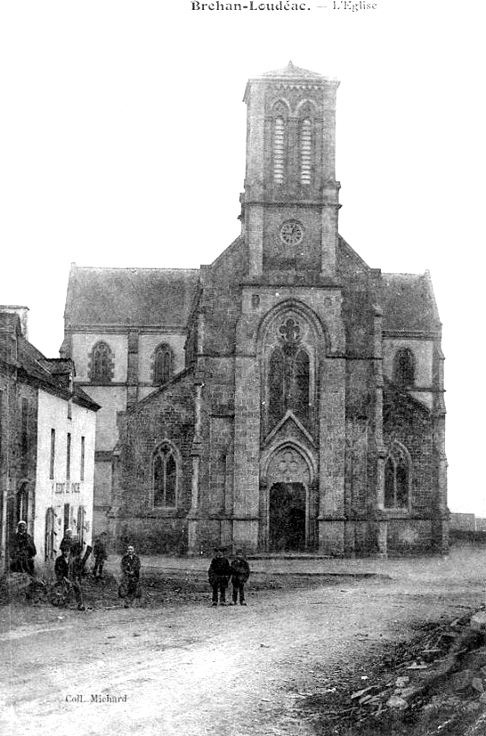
(291, 74)
(294, 72)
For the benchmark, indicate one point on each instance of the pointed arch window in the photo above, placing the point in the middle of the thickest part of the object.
(165, 476)
(288, 375)
(404, 367)
(397, 478)
(279, 157)
(163, 364)
(101, 364)
(306, 151)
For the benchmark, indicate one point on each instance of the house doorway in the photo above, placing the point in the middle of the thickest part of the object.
(287, 513)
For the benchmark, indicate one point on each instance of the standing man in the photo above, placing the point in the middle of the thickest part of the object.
(130, 568)
(99, 553)
(218, 575)
(240, 572)
(23, 550)
(76, 570)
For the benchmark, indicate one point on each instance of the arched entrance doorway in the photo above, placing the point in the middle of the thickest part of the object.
(286, 517)
(286, 500)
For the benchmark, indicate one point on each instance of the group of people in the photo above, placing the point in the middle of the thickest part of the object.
(69, 567)
(221, 571)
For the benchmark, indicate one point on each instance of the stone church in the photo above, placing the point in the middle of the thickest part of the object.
(285, 398)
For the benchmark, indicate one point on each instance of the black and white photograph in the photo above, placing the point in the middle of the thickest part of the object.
(241, 424)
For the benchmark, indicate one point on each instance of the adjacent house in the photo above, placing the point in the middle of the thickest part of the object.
(47, 441)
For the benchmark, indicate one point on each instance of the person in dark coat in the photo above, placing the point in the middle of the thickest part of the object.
(66, 541)
(130, 567)
(100, 555)
(23, 550)
(218, 574)
(60, 593)
(76, 570)
(240, 572)
(61, 567)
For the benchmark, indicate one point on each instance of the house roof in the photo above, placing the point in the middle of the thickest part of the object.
(408, 302)
(130, 296)
(48, 374)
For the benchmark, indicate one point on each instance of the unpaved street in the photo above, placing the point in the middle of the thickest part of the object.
(196, 670)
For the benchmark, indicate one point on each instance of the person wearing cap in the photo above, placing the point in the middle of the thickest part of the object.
(22, 551)
(66, 541)
(130, 584)
(240, 572)
(218, 574)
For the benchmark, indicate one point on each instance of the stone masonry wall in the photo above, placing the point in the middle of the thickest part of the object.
(167, 414)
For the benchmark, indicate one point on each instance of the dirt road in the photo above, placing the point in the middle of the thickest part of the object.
(233, 671)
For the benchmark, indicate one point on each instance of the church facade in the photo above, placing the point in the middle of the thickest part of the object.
(285, 398)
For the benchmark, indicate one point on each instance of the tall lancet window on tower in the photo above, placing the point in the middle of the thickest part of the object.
(305, 151)
(279, 150)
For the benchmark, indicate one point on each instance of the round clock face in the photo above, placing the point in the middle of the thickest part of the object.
(291, 232)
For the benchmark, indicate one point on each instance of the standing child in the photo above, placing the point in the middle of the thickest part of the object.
(218, 575)
(240, 572)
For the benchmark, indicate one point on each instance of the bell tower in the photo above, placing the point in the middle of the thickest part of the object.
(291, 199)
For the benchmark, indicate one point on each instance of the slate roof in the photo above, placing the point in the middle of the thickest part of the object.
(130, 296)
(408, 302)
(35, 367)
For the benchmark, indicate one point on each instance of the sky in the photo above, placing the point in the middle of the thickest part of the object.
(122, 143)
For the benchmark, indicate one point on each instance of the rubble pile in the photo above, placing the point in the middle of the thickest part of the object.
(433, 684)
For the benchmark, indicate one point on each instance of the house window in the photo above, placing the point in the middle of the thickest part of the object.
(50, 535)
(68, 457)
(397, 478)
(404, 368)
(305, 151)
(163, 360)
(52, 462)
(67, 517)
(288, 375)
(24, 503)
(24, 437)
(83, 454)
(81, 519)
(101, 363)
(165, 476)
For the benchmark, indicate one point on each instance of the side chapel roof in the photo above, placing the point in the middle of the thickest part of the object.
(408, 302)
